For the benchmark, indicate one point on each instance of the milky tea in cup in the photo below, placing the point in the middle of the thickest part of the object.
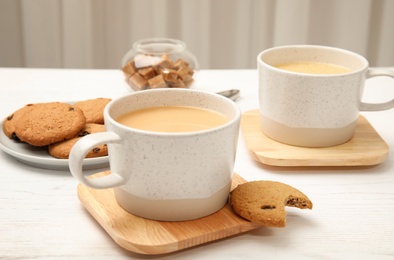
(171, 152)
(313, 67)
(172, 119)
(311, 96)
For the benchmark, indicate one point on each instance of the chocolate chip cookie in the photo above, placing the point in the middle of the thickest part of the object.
(48, 123)
(62, 149)
(264, 201)
(10, 122)
(93, 109)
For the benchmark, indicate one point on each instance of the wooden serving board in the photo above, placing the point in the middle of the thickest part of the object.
(365, 148)
(158, 237)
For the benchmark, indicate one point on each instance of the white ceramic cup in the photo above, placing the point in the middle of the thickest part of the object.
(313, 110)
(165, 176)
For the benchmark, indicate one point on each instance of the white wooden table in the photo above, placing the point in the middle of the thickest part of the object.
(42, 218)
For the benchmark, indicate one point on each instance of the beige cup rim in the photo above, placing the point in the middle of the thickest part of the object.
(357, 56)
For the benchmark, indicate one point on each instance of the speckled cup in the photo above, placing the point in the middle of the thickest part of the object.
(165, 176)
(313, 110)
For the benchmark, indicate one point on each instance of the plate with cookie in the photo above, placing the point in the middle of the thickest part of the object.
(42, 134)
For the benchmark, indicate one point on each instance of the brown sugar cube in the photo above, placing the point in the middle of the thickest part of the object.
(170, 76)
(188, 80)
(157, 82)
(138, 81)
(166, 63)
(157, 69)
(178, 84)
(147, 73)
(129, 69)
(181, 63)
(191, 71)
(183, 73)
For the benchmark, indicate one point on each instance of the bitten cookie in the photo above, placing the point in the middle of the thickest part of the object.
(10, 122)
(62, 149)
(264, 201)
(93, 109)
(48, 123)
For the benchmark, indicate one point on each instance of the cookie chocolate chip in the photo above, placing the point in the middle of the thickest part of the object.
(10, 122)
(264, 201)
(48, 123)
(62, 149)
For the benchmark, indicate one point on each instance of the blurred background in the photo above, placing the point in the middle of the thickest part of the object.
(223, 34)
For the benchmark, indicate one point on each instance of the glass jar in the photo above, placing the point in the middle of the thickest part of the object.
(159, 63)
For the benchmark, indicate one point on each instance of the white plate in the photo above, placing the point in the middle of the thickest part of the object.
(39, 157)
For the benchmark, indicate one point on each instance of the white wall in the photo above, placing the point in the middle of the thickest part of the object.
(223, 34)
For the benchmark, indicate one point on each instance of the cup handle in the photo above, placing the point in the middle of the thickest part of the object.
(378, 106)
(78, 153)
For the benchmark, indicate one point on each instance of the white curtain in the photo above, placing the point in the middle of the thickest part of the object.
(223, 34)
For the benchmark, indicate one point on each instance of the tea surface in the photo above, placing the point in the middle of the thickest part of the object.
(173, 119)
(312, 67)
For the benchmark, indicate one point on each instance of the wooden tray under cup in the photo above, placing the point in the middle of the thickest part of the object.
(158, 237)
(365, 148)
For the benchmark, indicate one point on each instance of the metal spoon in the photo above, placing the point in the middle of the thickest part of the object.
(232, 94)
